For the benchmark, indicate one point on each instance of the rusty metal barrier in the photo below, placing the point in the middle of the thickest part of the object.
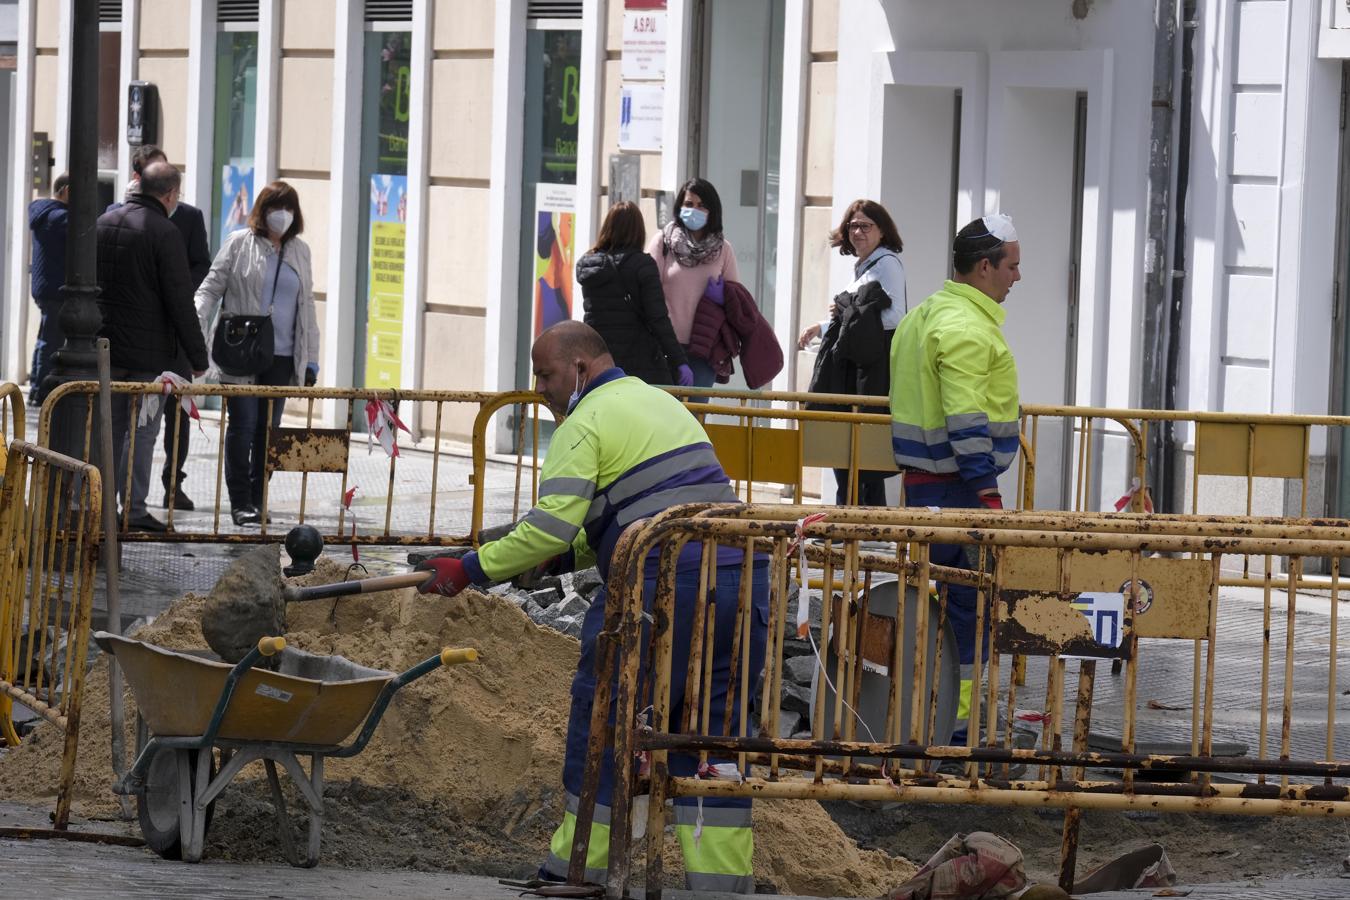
(12, 421)
(49, 536)
(1067, 590)
(316, 463)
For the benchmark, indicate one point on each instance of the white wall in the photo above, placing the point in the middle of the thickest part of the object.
(1262, 223)
(894, 53)
(967, 44)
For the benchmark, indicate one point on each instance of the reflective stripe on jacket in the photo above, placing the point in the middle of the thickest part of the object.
(627, 451)
(954, 404)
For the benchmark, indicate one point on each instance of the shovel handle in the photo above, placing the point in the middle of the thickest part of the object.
(293, 594)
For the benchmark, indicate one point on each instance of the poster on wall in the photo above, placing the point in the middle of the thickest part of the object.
(236, 197)
(640, 113)
(555, 235)
(384, 309)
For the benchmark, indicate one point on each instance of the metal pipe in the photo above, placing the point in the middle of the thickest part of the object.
(112, 563)
(1169, 475)
(887, 792)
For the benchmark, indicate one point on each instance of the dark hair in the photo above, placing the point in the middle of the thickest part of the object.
(277, 195)
(159, 179)
(974, 243)
(623, 228)
(144, 155)
(890, 236)
(60, 184)
(711, 202)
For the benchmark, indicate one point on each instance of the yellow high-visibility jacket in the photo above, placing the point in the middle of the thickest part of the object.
(626, 452)
(954, 405)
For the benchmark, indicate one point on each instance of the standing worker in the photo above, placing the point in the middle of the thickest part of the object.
(47, 218)
(625, 451)
(954, 406)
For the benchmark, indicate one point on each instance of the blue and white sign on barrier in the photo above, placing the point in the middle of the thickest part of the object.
(1105, 613)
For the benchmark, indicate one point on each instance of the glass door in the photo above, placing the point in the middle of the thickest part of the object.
(739, 134)
(384, 213)
(236, 105)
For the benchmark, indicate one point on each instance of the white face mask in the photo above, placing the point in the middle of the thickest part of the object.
(279, 221)
(573, 400)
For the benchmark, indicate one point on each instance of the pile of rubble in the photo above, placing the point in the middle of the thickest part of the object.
(561, 602)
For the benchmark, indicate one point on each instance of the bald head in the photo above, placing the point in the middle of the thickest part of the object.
(160, 179)
(565, 358)
(574, 339)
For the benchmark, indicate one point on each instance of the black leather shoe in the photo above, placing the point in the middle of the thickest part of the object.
(245, 515)
(179, 501)
(146, 522)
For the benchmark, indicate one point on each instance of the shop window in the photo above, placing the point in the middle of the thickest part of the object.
(385, 117)
(236, 105)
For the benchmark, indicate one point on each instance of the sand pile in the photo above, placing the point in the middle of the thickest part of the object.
(464, 771)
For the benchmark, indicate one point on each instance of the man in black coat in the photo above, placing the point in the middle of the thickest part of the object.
(148, 318)
(191, 224)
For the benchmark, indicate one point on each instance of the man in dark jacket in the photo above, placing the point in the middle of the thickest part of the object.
(148, 317)
(191, 225)
(47, 220)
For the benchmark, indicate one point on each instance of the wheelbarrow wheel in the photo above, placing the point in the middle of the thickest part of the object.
(158, 806)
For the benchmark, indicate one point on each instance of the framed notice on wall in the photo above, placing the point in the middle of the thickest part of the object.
(644, 45)
(641, 107)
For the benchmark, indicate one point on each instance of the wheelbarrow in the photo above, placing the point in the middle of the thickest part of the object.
(193, 704)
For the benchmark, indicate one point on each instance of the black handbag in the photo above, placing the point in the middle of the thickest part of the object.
(244, 344)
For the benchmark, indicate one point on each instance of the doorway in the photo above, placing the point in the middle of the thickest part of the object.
(734, 140)
(1043, 144)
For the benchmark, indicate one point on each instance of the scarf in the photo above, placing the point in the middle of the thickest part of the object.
(689, 252)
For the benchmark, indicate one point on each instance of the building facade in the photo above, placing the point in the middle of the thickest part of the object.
(453, 157)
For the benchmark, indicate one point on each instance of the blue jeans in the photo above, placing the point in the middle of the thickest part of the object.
(246, 436)
(50, 337)
(704, 376)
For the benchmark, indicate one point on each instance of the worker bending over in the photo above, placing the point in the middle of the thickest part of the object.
(954, 407)
(625, 451)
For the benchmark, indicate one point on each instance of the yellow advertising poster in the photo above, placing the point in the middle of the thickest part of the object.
(384, 310)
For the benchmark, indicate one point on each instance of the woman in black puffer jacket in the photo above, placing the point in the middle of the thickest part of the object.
(621, 294)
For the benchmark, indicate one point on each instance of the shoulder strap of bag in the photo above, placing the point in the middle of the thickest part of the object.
(276, 277)
(869, 266)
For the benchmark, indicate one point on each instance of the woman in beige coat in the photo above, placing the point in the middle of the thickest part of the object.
(263, 269)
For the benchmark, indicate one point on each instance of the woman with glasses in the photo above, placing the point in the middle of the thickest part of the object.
(854, 352)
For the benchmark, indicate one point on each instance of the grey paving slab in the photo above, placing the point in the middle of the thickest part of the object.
(55, 868)
(1246, 669)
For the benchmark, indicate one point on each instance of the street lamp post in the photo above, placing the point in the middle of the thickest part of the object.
(77, 360)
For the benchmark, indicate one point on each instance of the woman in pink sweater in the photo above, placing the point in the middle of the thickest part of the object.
(694, 260)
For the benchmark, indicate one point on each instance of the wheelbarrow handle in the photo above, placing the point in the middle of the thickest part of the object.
(293, 593)
(449, 656)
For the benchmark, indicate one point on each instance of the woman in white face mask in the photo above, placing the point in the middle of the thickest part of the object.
(694, 259)
(260, 295)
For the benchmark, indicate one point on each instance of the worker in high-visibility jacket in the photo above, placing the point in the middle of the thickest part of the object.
(954, 406)
(624, 451)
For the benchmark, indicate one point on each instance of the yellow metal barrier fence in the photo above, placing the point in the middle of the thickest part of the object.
(12, 421)
(49, 536)
(320, 464)
(1066, 590)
